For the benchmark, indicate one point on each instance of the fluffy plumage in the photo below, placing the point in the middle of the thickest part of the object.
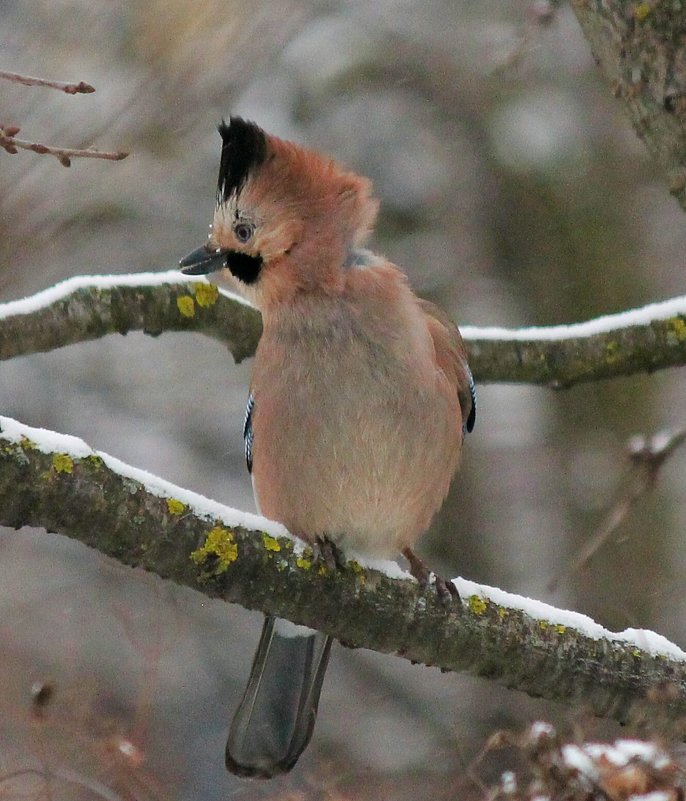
(359, 399)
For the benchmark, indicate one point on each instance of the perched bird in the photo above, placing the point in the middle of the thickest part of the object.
(359, 400)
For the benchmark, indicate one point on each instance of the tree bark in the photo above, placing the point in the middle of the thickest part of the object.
(89, 307)
(641, 49)
(59, 484)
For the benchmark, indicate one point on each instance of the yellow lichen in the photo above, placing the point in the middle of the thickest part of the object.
(270, 543)
(304, 561)
(62, 463)
(205, 294)
(221, 545)
(641, 11)
(27, 444)
(186, 305)
(356, 567)
(612, 352)
(560, 629)
(477, 604)
(502, 612)
(175, 507)
(677, 330)
(543, 624)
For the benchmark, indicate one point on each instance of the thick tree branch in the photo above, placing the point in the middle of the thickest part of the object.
(641, 49)
(88, 307)
(48, 480)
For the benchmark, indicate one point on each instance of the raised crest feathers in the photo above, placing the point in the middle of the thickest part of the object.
(244, 147)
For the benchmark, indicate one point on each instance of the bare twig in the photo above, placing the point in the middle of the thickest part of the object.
(646, 457)
(64, 155)
(80, 88)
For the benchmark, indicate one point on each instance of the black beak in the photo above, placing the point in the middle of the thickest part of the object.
(202, 261)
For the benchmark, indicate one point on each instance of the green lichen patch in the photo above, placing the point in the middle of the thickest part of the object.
(305, 560)
(270, 543)
(205, 294)
(477, 605)
(27, 444)
(175, 507)
(62, 463)
(186, 305)
(612, 352)
(676, 330)
(220, 547)
(642, 11)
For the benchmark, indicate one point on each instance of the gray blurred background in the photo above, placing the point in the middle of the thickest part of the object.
(513, 193)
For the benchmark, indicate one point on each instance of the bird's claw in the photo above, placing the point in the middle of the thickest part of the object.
(326, 552)
(446, 590)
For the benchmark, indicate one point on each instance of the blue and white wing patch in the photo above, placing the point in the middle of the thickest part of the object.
(248, 435)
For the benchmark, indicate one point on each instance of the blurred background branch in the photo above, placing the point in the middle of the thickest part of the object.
(68, 87)
(8, 133)
(641, 49)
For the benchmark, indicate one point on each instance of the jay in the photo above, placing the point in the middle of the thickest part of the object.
(358, 405)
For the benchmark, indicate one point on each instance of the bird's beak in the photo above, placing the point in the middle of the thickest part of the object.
(202, 260)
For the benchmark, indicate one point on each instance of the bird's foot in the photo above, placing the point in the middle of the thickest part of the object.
(328, 553)
(446, 590)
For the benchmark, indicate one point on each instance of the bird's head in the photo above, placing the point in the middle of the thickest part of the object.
(286, 218)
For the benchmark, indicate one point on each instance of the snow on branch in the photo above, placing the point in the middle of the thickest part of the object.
(47, 480)
(91, 306)
(88, 307)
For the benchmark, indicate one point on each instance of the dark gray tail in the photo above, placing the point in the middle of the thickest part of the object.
(275, 719)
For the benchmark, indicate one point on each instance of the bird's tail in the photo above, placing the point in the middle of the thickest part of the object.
(276, 716)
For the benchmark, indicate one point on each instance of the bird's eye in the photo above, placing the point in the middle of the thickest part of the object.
(243, 231)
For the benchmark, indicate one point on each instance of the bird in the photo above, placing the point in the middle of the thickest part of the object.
(358, 404)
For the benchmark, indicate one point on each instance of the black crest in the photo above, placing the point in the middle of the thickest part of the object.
(244, 147)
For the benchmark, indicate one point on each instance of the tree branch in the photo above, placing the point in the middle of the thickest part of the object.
(10, 143)
(48, 480)
(89, 307)
(70, 88)
(641, 49)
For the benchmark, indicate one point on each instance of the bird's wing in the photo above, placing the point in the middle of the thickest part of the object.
(451, 356)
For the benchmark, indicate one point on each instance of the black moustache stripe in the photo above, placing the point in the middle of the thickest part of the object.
(245, 267)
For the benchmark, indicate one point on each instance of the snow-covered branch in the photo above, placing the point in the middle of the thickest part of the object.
(91, 306)
(88, 307)
(48, 480)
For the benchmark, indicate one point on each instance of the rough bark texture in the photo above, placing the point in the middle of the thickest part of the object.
(641, 48)
(566, 362)
(90, 313)
(360, 607)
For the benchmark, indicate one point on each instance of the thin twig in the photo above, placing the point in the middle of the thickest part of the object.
(646, 457)
(64, 155)
(80, 88)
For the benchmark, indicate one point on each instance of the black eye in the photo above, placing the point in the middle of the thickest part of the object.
(243, 231)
